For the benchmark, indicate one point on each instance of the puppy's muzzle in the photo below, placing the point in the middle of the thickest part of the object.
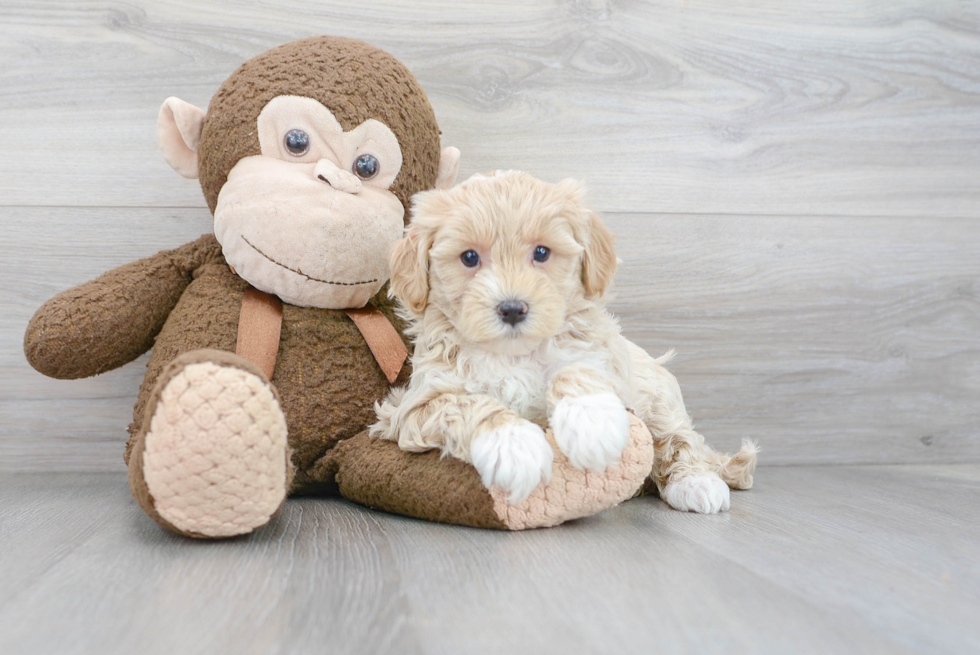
(512, 312)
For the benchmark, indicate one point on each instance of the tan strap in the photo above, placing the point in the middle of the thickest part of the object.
(382, 338)
(259, 328)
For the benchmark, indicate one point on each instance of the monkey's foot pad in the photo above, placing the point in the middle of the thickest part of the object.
(214, 456)
(574, 493)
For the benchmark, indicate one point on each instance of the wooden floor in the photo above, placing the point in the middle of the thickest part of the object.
(833, 559)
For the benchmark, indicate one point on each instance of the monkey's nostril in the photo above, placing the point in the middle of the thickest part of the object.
(512, 312)
(337, 179)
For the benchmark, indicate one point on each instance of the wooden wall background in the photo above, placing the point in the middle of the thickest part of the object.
(796, 186)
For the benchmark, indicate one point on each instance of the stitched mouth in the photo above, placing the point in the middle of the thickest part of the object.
(299, 272)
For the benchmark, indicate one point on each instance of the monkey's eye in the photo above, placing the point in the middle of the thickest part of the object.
(366, 166)
(297, 142)
(470, 258)
(541, 254)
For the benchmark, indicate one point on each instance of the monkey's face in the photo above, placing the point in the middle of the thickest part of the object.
(311, 219)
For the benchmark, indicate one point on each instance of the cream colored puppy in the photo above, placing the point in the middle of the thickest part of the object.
(502, 279)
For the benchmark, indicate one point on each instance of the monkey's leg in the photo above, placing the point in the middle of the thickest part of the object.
(377, 473)
(211, 458)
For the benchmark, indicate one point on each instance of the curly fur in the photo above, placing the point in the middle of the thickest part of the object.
(566, 364)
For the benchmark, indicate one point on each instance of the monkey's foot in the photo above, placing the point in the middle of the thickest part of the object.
(212, 458)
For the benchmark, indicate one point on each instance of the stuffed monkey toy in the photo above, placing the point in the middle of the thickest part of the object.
(273, 337)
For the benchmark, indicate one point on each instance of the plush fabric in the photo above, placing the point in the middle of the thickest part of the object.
(214, 459)
(378, 474)
(325, 373)
(327, 137)
(573, 493)
(136, 448)
(103, 324)
(356, 80)
(178, 134)
(279, 226)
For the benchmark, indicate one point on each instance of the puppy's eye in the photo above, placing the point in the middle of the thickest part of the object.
(297, 142)
(470, 258)
(541, 254)
(366, 166)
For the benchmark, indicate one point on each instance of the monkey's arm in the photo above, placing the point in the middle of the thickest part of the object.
(103, 324)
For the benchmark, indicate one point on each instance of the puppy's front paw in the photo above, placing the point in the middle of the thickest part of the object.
(706, 494)
(515, 457)
(591, 430)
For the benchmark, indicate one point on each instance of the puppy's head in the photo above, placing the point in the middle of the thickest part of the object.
(504, 257)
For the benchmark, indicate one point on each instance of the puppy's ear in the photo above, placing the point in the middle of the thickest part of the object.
(599, 258)
(599, 261)
(409, 260)
(410, 269)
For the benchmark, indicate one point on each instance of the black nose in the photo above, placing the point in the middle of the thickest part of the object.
(512, 311)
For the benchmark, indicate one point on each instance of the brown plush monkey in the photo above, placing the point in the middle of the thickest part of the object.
(273, 338)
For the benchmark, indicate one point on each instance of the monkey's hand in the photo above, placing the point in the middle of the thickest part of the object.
(113, 319)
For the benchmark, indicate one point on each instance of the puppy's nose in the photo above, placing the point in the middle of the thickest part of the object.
(512, 312)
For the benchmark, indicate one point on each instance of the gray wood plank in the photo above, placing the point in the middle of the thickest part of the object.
(839, 107)
(888, 544)
(828, 339)
(831, 340)
(815, 559)
(44, 518)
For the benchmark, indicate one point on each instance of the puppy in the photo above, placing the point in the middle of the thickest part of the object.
(502, 281)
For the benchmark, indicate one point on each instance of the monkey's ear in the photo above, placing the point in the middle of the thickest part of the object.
(179, 126)
(448, 167)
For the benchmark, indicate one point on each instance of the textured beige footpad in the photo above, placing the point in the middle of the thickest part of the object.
(573, 493)
(214, 458)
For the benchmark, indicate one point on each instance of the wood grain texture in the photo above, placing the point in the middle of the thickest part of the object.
(709, 106)
(813, 560)
(830, 340)
(827, 305)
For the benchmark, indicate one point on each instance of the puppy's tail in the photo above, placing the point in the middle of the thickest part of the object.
(737, 470)
(665, 358)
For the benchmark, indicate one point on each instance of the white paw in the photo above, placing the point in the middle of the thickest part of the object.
(706, 494)
(515, 457)
(591, 430)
